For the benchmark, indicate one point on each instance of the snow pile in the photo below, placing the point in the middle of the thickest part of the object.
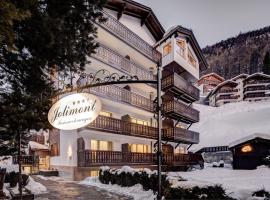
(237, 183)
(220, 126)
(35, 187)
(6, 162)
(36, 145)
(136, 192)
(51, 178)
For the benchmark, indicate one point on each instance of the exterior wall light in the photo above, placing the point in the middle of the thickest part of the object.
(246, 149)
(69, 152)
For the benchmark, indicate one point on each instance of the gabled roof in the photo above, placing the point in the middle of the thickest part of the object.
(191, 39)
(229, 82)
(258, 74)
(213, 74)
(140, 11)
(240, 76)
(248, 138)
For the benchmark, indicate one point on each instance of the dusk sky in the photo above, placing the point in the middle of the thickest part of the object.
(212, 20)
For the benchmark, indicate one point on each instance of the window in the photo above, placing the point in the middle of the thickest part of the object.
(180, 150)
(191, 59)
(139, 148)
(101, 145)
(105, 113)
(181, 44)
(94, 173)
(139, 121)
(167, 49)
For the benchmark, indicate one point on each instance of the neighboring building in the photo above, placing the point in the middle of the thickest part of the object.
(225, 92)
(216, 154)
(208, 82)
(255, 87)
(249, 152)
(125, 133)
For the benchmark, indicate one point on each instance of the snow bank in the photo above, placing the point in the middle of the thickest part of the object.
(136, 191)
(237, 183)
(220, 126)
(35, 187)
(6, 162)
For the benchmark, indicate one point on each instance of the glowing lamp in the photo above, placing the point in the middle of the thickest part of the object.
(246, 149)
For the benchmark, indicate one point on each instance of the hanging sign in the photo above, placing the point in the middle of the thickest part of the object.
(74, 111)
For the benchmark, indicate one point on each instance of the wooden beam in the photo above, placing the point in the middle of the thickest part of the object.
(121, 10)
(143, 20)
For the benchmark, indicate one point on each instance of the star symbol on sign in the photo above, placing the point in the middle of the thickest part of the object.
(74, 102)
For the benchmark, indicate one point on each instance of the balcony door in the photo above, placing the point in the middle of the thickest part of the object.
(100, 151)
(99, 145)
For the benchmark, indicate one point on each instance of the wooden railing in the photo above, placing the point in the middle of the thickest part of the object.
(123, 127)
(256, 95)
(121, 31)
(87, 158)
(26, 160)
(118, 126)
(255, 88)
(181, 134)
(122, 95)
(227, 91)
(121, 63)
(172, 107)
(174, 80)
(232, 97)
(38, 138)
(256, 82)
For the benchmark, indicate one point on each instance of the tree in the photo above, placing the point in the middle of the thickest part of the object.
(266, 63)
(254, 62)
(59, 35)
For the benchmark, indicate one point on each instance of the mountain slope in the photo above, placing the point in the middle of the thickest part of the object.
(241, 54)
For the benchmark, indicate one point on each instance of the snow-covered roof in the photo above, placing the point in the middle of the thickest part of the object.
(250, 137)
(243, 75)
(222, 84)
(258, 74)
(34, 145)
(220, 126)
(212, 74)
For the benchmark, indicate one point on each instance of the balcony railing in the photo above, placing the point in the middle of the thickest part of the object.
(122, 95)
(38, 138)
(180, 111)
(179, 85)
(255, 88)
(227, 91)
(121, 63)
(256, 95)
(123, 127)
(184, 135)
(226, 97)
(121, 31)
(26, 160)
(87, 158)
(252, 82)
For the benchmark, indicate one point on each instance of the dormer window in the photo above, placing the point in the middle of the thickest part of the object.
(191, 59)
(181, 44)
(167, 49)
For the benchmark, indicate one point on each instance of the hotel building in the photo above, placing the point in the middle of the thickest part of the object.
(132, 41)
(255, 87)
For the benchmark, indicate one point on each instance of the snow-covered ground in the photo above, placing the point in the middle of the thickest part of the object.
(238, 183)
(6, 162)
(136, 191)
(219, 126)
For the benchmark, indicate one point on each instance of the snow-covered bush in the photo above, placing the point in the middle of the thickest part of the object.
(266, 161)
(208, 192)
(218, 164)
(261, 193)
(127, 177)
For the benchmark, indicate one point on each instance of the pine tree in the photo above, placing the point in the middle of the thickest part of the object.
(266, 63)
(58, 34)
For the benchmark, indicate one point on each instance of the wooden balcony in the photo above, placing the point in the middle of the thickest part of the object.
(119, 30)
(179, 86)
(124, 96)
(117, 126)
(89, 158)
(112, 58)
(38, 138)
(179, 111)
(227, 97)
(181, 135)
(26, 160)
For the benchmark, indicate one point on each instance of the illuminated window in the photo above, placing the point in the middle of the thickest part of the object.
(246, 149)
(101, 145)
(180, 150)
(139, 148)
(105, 113)
(191, 59)
(181, 44)
(167, 49)
(139, 121)
(94, 173)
